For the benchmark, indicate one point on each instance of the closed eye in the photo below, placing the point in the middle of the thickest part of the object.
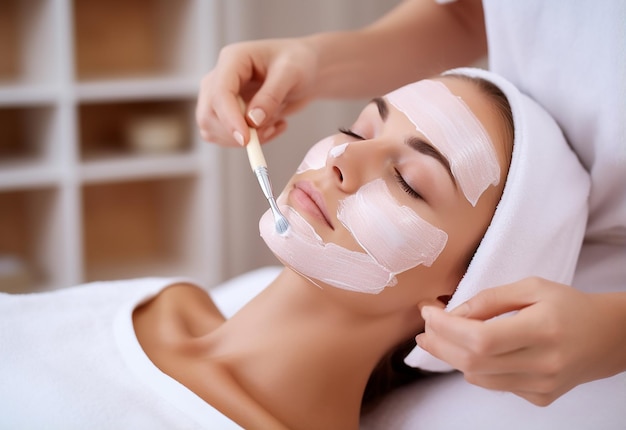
(350, 133)
(406, 187)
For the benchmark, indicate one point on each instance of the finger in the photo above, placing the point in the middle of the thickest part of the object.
(212, 127)
(269, 99)
(442, 349)
(429, 303)
(522, 361)
(538, 390)
(518, 382)
(496, 301)
(224, 86)
(273, 131)
(211, 130)
(203, 108)
(481, 338)
(229, 114)
(542, 399)
(476, 366)
(438, 341)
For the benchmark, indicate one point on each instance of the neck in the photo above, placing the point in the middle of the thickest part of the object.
(298, 350)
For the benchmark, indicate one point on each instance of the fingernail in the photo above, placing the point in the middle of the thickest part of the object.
(256, 115)
(238, 137)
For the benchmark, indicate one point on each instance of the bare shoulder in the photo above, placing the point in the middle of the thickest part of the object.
(183, 308)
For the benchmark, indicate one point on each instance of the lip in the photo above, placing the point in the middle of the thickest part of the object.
(311, 201)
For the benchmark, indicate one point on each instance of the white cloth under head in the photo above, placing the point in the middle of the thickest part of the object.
(71, 360)
(539, 224)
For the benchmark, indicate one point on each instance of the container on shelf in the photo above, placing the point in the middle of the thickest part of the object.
(127, 128)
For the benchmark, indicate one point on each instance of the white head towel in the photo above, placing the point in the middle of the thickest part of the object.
(538, 226)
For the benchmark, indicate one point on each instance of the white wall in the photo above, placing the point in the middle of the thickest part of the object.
(243, 203)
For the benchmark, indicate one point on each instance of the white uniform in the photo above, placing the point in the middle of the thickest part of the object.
(70, 359)
(570, 56)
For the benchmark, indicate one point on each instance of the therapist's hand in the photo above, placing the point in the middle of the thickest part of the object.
(559, 338)
(275, 77)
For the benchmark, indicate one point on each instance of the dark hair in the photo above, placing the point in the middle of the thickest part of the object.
(391, 372)
(502, 107)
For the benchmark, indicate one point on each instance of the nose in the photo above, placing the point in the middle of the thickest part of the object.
(360, 162)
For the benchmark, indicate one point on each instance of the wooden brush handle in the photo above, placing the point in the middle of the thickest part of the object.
(255, 154)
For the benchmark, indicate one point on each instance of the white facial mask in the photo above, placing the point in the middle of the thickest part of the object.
(394, 236)
(446, 121)
(305, 252)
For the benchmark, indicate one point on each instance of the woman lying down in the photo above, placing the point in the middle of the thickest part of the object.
(385, 216)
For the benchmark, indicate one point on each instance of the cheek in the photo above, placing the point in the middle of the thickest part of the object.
(330, 264)
(468, 225)
(316, 156)
(394, 235)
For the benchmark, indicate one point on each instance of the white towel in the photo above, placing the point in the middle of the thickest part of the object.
(70, 359)
(538, 226)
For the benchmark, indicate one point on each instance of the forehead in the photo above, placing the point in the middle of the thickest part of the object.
(450, 125)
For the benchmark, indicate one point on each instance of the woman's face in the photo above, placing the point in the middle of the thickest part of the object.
(401, 197)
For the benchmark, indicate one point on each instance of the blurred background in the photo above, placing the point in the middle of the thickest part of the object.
(102, 171)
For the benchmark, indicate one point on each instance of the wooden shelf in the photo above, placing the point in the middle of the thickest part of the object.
(102, 172)
(133, 38)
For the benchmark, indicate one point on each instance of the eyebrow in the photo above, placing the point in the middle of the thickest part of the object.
(418, 144)
(381, 104)
(423, 147)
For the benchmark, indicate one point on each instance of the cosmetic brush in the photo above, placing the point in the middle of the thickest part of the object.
(259, 168)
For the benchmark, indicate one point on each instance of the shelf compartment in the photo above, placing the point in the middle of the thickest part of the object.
(29, 135)
(141, 228)
(126, 38)
(27, 42)
(31, 250)
(142, 127)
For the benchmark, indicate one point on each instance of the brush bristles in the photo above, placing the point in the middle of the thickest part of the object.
(282, 225)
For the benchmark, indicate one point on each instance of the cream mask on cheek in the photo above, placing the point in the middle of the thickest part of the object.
(394, 237)
(453, 129)
(304, 251)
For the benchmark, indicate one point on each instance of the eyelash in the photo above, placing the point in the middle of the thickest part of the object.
(350, 133)
(406, 187)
